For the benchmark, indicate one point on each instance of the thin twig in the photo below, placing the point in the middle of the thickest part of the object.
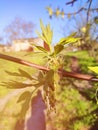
(71, 2)
(88, 11)
(82, 9)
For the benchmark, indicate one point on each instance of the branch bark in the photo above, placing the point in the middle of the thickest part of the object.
(60, 71)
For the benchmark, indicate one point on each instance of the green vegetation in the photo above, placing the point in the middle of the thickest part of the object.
(6, 66)
(73, 100)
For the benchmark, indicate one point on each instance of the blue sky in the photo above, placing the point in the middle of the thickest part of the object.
(33, 10)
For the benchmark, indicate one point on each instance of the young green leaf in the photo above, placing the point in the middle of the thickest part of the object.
(70, 39)
(41, 49)
(24, 95)
(21, 73)
(50, 79)
(26, 98)
(25, 74)
(50, 11)
(16, 84)
(40, 76)
(94, 69)
(47, 33)
(12, 73)
(58, 48)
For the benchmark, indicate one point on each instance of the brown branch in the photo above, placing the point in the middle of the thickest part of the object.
(82, 9)
(23, 62)
(88, 11)
(77, 75)
(61, 72)
(71, 2)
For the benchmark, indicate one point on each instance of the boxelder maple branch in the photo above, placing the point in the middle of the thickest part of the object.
(60, 71)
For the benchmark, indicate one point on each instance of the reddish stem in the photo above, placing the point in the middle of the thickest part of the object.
(60, 71)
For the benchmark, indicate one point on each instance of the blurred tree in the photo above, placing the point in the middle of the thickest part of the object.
(19, 28)
(85, 20)
(87, 7)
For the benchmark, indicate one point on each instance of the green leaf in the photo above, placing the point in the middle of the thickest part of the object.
(12, 73)
(49, 80)
(62, 14)
(57, 12)
(16, 84)
(47, 33)
(94, 69)
(21, 73)
(50, 76)
(58, 48)
(26, 98)
(50, 11)
(40, 76)
(24, 95)
(69, 15)
(68, 40)
(41, 49)
(25, 74)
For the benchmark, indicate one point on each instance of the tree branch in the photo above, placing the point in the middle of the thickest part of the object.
(88, 11)
(81, 9)
(60, 71)
(23, 62)
(71, 2)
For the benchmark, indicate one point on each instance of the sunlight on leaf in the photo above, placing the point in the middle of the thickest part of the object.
(41, 49)
(58, 49)
(62, 14)
(24, 95)
(47, 33)
(21, 73)
(16, 85)
(94, 69)
(69, 39)
(25, 74)
(50, 11)
(57, 12)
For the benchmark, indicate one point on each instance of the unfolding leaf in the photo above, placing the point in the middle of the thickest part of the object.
(94, 69)
(38, 84)
(69, 39)
(26, 98)
(12, 73)
(40, 76)
(62, 14)
(21, 73)
(16, 84)
(50, 11)
(50, 76)
(25, 74)
(57, 13)
(69, 15)
(41, 49)
(24, 95)
(50, 79)
(47, 33)
(58, 48)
